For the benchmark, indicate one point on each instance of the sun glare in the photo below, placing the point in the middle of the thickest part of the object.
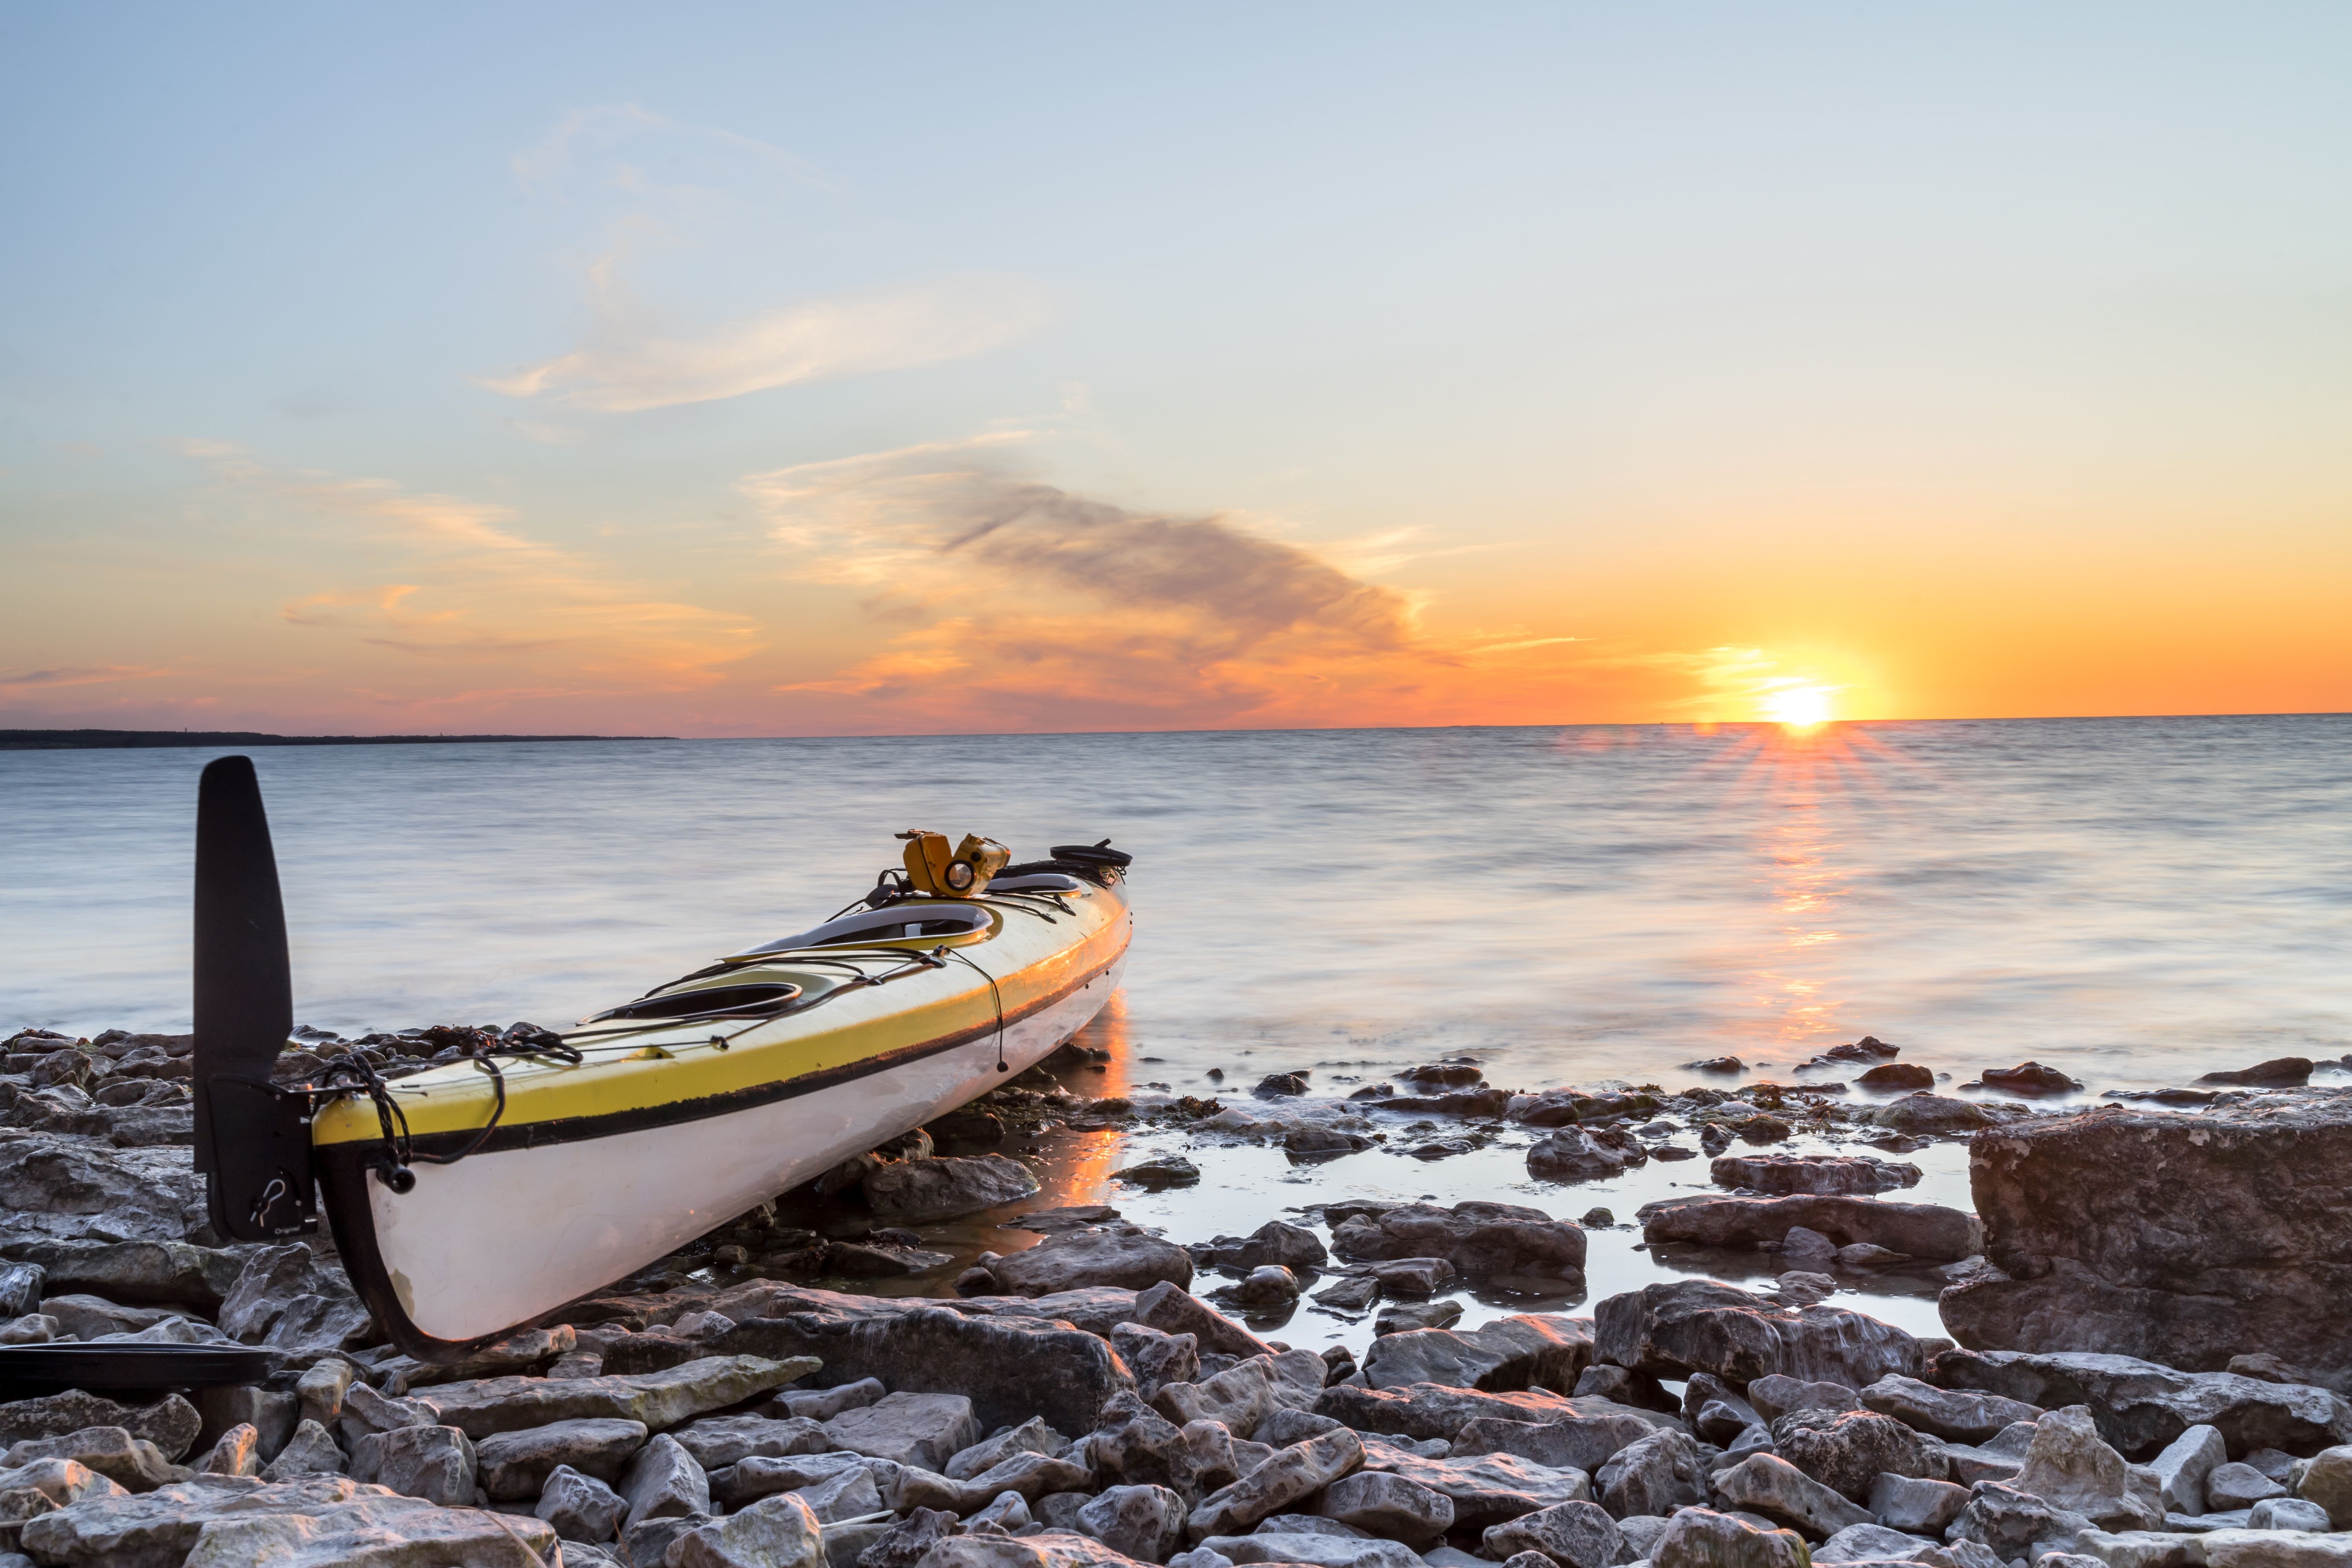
(1798, 707)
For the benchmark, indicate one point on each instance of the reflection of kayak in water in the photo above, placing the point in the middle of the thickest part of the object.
(470, 1197)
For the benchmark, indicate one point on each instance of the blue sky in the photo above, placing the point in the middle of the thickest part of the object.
(423, 366)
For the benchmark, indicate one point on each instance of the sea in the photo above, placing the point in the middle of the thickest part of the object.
(2134, 902)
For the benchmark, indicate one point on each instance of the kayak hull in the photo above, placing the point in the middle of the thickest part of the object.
(544, 1214)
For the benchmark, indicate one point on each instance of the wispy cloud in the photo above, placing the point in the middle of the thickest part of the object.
(627, 367)
(75, 675)
(465, 586)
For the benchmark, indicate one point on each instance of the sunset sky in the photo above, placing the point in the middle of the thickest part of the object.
(799, 369)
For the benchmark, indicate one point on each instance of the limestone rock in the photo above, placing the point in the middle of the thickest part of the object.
(2236, 1486)
(1572, 1535)
(1292, 1473)
(1389, 1506)
(56, 1187)
(1145, 1522)
(2327, 1481)
(1424, 1410)
(926, 1189)
(1918, 1230)
(1574, 1442)
(516, 1465)
(847, 1493)
(1676, 1328)
(904, 1544)
(162, 1273)
(2068, 1466)
(1486, 1489)
(2286, 1513)
(1776, 1175)
(1847, 1450)
(170, 1422)
(1531, 1351)
(1657, 1475)
(580, 1507)
(1314, 1549)
(716, 1440)
(1869, 1543)
(1932, 1114)
(1156, 1358)
(1702, 1538)
(775, 1532)
(307, 1523)
(284, 1297)
(1137, 1444)
(1051, 1548)
(1031, 1437)
(1915, 1505)
(2255, 1256)
(663, 1481)
(311, 1451)
(923, 1429)
(1770, 1486)
(1167, 1308)
(236, 1452)
(2010, 1523)
(1123, 1255)
(2274, 1549)
(111, 1451)
(2182, 1466)
(436, 1463)
(658, 1399)
(2140, 1406)
(1775, 1396)
(1961, 1414)
(1032, 1476)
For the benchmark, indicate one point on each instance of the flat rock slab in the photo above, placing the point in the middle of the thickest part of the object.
(658, 1399)
(1777, 1176)
(1927, 1231)
(2141, 1407)
(319, 1520)
(2181, 1239)
(1675, 1328)
(1478, 1238)
(1531, 1350)
(1485, 1488)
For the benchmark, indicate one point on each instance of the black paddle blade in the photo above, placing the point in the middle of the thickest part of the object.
(253, 1146)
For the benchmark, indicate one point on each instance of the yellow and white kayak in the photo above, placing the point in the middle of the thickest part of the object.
(469, 1199)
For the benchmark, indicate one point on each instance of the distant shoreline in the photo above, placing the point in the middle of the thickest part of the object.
(126, 740)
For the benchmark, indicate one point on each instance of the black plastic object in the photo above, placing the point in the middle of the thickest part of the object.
(27, 1370)
(1100, 854)
(711, 1002)
(253, 1141)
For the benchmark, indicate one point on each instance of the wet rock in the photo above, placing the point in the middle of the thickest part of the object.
(1389, 1507)
(1915, 1505)
(1961, 1414)
(1312, 1140)
(1412, 1276)
(658, 1399)
(1847, 1450)
(1268, 1286)
(2182, 1466)
(2235, 1486)
(1155, 1358)
(1166, 1171)
(1930, 1114)
(132, 1463)
(2140, 1406)
(436, 1463)
(1572, 1535)
(1574, 1443)
(1123, 1255)
(1702, 1538)
(1767, 1485)
(580, 1507)
(236, 1452)
(1717, 1065)
(1526, 1352)
(1896, 1075)
(1585, 1154)
(921, 1429)
(1485, 1490)
(2068, 1466)
(1145, 1522)
(2254, 1256)
(663, 1481)
(1481, 1239)
(1675, 1328)
(2028, 1078)
(2010, 1522)
(1917, 1230)
(1775, 1396)
(170, 1422)
(943, 1188)
(1411, 1317)
(1170, 1310)
(2281, 1072)
(1278, 1241)
(1657, 1475)
(775, 1532)
(1780, 1175)
(516, 1465)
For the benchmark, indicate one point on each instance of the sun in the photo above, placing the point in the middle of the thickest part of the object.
(1799, 707)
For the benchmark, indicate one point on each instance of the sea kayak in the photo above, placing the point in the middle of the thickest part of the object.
(470, 1198)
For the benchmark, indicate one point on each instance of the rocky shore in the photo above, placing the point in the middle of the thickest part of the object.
(2146, 1365)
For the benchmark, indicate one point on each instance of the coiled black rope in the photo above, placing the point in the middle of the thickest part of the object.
(349, 1074)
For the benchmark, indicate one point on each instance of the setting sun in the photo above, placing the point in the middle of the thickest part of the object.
(1798, 707)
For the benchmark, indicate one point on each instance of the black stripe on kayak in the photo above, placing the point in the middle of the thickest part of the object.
(345, 1169)
(704, 1108)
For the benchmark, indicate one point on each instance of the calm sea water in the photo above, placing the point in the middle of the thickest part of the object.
(2130, 900)
(2134, 901)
